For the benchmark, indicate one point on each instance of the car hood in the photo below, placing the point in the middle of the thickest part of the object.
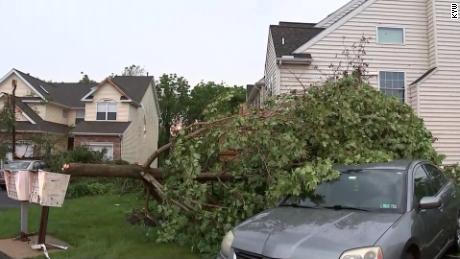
(287, 232)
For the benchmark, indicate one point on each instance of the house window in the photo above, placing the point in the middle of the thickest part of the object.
(393, 84)
(80, 116)
(386, 35)
(106, 111)
(105, 148)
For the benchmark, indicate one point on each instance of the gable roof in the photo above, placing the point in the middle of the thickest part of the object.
(134, 86)
(288, 36)
(66, 94)
(36, 124)
(70, 94)
(340, 13)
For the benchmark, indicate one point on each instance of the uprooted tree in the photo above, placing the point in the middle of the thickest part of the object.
(229, 168)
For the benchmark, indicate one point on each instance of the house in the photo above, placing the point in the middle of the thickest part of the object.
(413, 53)
(119, 115)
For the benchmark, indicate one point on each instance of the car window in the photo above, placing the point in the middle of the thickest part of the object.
(422, 184)
(438, 178)
(370, 189)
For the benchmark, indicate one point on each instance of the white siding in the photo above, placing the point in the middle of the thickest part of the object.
(411, 58)
(137, 144)
(432, 40)
(440, 93)
(272, 72)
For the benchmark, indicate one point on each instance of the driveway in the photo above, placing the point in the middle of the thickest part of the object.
(6, 202)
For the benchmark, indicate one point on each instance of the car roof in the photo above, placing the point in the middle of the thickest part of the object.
(400, 165)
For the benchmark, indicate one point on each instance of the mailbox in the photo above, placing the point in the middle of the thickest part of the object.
(48, 189)
(17, 184)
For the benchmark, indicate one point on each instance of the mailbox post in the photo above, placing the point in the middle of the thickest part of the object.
(44, 188)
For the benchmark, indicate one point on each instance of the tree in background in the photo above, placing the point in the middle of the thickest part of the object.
(85, 79)
(6, 127)
(173, 94)
(206, 93)
(133, 70)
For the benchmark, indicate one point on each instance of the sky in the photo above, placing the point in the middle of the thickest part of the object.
(202, 40)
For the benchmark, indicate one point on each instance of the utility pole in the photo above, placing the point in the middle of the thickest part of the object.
(24, 205)
(13, 126)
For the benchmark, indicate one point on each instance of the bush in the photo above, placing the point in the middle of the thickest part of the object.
(453, 171)
(79, 189)
(80, 154)
(286, 149)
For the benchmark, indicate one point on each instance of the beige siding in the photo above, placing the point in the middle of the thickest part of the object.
(39, 108)
(440, 93)
(411, 58)
(21, 90)
(138, 144)
(107, 92)
(71, 116)
(55, 114)
(272, 73)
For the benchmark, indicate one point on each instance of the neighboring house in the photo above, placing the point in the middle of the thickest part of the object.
(120, 115)
(413, 54)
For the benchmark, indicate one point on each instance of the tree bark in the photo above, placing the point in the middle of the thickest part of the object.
(131, 171)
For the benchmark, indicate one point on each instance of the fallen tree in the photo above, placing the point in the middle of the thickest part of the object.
(288, 148)
(130, 171)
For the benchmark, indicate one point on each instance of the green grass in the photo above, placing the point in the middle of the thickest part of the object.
(96, 227)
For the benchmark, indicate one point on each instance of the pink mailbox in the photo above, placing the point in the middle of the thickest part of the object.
(17, 184)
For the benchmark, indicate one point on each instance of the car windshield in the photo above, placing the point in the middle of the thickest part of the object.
(17, 165)
(369, 190)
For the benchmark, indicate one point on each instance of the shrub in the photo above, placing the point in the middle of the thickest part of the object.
(80, 154)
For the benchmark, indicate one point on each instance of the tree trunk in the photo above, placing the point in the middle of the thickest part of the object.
(13, 127)
(130, 171)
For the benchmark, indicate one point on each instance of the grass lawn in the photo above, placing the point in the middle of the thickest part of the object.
(96, 227)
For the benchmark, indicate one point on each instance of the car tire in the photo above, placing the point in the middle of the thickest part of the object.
(409, 255)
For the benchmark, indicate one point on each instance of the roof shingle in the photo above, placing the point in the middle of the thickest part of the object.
(288, 36)
(100, 127)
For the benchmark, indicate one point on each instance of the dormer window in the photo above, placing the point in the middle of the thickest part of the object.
(106, 111)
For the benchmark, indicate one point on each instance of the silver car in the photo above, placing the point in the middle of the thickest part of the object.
(16, 165)
(397, 210)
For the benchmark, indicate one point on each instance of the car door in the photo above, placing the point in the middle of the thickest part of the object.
(446, 191)
(427, 225)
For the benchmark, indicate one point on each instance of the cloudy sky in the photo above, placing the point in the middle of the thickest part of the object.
(219, 40)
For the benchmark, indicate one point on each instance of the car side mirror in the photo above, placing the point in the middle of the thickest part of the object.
(431, 202)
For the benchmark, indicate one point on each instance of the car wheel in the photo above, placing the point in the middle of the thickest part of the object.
(409, 255)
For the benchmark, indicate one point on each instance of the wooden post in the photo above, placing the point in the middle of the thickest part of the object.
(43, 225)
(13, 110)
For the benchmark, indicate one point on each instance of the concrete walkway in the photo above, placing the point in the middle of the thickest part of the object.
(10, 248)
